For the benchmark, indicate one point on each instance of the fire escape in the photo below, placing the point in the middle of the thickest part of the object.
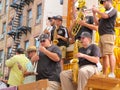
(17, 30)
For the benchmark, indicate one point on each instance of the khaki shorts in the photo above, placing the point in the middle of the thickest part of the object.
(53, 85)
(63, 50)
(106, 44)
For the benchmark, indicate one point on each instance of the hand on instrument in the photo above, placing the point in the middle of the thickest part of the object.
(81, 22)
(79, 55)
(58, 36)
(35, 58)
(42, 49)
(46, 31)
(94, 10)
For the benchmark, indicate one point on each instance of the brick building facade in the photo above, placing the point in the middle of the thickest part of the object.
(32, 16)
(35, 16)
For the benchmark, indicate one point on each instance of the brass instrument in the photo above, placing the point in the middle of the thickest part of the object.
(75, 29)
(74, 62)
(47, 30)
(55, 41)
(76, 26)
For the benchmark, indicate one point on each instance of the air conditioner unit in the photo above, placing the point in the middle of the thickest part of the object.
(1, 36)
(38, 20)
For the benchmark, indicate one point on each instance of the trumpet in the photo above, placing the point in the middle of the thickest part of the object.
(47, 30)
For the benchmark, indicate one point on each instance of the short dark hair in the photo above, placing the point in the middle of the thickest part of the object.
(101, 1)
(86, 34)
(53, 17)
(20, 50)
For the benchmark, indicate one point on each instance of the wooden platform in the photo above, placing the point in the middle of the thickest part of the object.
(99, 82)
(96, 82)
(38, 85)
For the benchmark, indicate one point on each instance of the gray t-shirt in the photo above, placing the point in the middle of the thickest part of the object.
(47, 68)
(106, 26)
(91, 50)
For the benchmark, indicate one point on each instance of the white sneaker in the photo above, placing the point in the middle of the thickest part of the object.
(99, 66)
(112, 75)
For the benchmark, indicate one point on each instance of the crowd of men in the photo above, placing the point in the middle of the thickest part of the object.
(45, 63)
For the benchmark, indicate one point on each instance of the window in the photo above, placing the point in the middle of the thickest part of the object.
(14, 1)
(3, 31)
(6, 5)
(11, 22)
(39, 13)
(29, 18)
(9, 52)
(61, 2)
(4, 28)
(21, 20)
(37, 43)
(26, 44)
(18, 46)
(1, 56)
(0, 6)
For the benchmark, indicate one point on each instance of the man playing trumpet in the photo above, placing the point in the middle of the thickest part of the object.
(107, 34)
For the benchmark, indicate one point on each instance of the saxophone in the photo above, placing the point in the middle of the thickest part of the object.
(55, 41)
(76, 26)
(74, 62)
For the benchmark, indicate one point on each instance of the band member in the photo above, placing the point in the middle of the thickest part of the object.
(48, 62)
(88, 56)
(62, 36)
(84, 28)
(107, 34)
(52, 25)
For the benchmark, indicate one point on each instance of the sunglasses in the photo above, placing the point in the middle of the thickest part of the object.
(82, 38)
(42, 41)
(50, 20)
(29, 52)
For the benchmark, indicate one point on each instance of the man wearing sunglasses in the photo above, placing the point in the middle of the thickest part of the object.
(88, 56)
(48, 62)
(107, 35)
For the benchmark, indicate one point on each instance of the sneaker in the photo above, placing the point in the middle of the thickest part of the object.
(112, 75)
(99, 66)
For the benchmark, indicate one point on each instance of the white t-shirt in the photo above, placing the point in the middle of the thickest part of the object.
(2, 85)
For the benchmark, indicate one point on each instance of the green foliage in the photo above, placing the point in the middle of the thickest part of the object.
(1, 74)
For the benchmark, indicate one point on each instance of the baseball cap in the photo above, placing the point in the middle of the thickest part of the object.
(53, 17)
(31, 48)
(43, 37)
(58, 17)
(101, 1)
(85, 34)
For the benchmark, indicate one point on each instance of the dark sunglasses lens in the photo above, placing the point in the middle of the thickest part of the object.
(42, 41)
(50, 20)
(82, 37)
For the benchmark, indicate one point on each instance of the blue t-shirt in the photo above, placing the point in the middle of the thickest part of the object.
(31, 78)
